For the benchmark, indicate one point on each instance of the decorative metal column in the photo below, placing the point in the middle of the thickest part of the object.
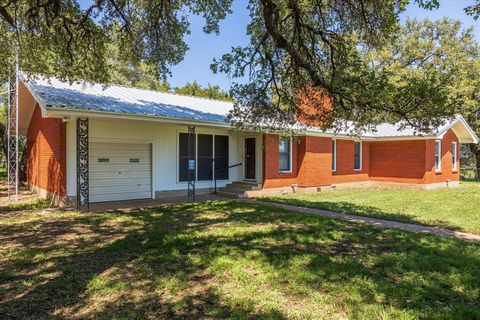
(83, 201)
(191, 164)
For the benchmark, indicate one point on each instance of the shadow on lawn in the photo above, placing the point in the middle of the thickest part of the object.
(162, 247)
(366, 211)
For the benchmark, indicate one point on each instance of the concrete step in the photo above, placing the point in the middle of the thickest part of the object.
(231, 195)
(246, 184)
(234, 190)
(239, 187)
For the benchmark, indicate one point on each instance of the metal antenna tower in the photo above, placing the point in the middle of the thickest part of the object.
(12, 130)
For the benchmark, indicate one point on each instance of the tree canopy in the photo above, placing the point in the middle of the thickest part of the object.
(337, 46)
(210, 92)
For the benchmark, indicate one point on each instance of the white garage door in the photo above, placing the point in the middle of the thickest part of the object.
(120, 171)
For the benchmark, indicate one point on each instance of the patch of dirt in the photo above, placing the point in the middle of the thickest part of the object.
(24, 194)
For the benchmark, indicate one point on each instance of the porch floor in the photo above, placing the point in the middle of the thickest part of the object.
(146, 203)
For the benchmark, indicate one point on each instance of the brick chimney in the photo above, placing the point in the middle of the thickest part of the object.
(315, 107)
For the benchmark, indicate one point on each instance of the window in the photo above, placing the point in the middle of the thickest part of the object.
(454, 156)
(334, 155)
(207, 148)
(205, 157)
(357, 155)
(285, 152)
(438, 157)
(221, 157)
(183, 157)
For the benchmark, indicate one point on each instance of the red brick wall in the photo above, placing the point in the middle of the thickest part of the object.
(407, 161)
(46, 158)
(345, 163)
(311, 162)
(315, 169)
(431, 176)
(398, 161)
(272, 177)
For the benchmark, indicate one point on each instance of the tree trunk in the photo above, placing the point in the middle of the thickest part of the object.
(3, 137)
(475, 149)
(477, 158)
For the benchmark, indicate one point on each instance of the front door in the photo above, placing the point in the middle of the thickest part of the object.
(250, 158)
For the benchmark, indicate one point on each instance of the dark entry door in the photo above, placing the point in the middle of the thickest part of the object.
(250, 158)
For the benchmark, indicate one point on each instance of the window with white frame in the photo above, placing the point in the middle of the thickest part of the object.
(357, 155)
(438, 155)
(285, 154)
(454, 156)
(334, 155)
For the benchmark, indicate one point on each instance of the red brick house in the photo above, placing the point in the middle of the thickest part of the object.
(117, 143)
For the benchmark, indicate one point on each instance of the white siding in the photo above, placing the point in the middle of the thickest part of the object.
(164, 141)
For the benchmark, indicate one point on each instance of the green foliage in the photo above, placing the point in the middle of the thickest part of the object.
(210, 92)
(58, 38)
(425, 68)
(135, 74)
(342, 51)
(293, 45)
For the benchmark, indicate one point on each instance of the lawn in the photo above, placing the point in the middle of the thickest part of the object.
(455, 209)
(228, 260)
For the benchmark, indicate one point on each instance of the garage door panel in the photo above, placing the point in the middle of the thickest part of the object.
(97, 176)
(120, 189)
(115, 176)
(134, 181)
(145, 164)
(119, 153)
(120, 196)
(101, 146)
(129, 167)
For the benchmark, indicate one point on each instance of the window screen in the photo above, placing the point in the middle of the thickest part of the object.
(454, 156)
(284, 154)
(221, 157)
(205, 157)
(357, 155)
(183, 157)
(438, 152)
(334, 155)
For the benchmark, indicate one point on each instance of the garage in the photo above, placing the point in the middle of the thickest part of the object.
(120, 171)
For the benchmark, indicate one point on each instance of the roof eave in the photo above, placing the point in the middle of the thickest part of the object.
(53, 111)
(473, 138)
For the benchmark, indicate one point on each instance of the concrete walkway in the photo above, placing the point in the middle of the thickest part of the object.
(372, 221)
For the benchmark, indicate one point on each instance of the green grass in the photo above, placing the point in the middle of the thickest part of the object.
(228, 260)
(455, 209)
(25, 204)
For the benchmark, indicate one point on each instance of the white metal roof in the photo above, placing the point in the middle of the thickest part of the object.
(52, 93)
(388, 131)
(80, 95)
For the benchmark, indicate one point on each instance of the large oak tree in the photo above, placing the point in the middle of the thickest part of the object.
(293, 45)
